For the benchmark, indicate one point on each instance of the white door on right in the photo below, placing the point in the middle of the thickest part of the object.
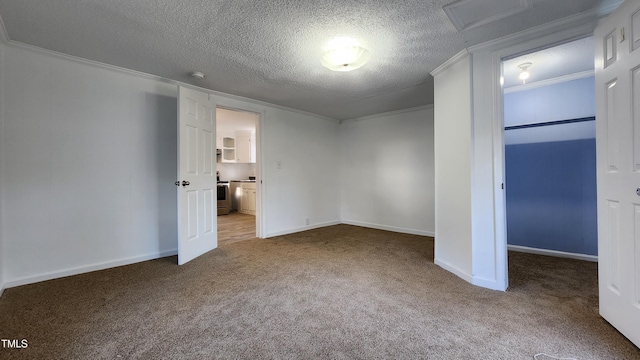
(617, 63)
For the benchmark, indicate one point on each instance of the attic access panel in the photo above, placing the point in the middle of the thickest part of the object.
(469, 14)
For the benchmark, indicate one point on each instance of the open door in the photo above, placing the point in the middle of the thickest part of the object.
(197, 206)
(617, 63)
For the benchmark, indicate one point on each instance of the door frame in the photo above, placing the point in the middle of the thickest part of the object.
(535, 250)
(497, 57)
(231, 104)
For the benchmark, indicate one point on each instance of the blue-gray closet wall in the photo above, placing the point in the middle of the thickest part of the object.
(551, 169)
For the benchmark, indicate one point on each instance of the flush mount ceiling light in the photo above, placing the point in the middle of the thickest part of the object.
(344, 54)
(197, 75)
(524, 74)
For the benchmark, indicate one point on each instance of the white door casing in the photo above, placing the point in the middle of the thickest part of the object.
(197, 196)
(617, 64)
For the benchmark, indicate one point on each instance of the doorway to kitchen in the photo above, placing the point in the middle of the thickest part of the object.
(237, 172)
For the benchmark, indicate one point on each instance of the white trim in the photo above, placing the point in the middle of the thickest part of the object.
(4, 36)
(460, 25)
(388, 113)
(490, 284)
(3, 41)
(260, 209)
(261, 221)
(499, 178)
(452, 269)
(260, 129)
(549, 82)
(389, 228)
(585, 18)
(487, 104)
(449, 63)
(160, 78)
(304, 228)
(609, 8)
(88, 268)
(562, 254)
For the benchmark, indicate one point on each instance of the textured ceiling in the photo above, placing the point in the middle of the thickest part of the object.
(270, 50)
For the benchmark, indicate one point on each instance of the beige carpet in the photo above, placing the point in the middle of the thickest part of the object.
(341, 292)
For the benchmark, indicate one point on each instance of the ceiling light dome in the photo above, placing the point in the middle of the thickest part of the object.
(524, 74)
(344, 54)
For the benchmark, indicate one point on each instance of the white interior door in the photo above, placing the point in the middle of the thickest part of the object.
(617, 65)
(197, 196)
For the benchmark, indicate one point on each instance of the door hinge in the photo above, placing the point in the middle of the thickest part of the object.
(502, 186)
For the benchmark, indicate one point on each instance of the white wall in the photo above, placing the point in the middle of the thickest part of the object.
(89, 165)
(2, 74)
(558, 101)
(452, 108)
(89, 157)
(387, 171)
(231, 171)
(300, 168)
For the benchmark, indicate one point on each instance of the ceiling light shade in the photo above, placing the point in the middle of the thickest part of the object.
(524, 74)
(345, 54)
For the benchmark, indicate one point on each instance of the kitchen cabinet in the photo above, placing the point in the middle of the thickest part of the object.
(248, 198)
(228, 149)
(238, 147)
(243, 152)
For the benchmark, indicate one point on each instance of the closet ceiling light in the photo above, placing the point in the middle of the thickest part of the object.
(524, 74)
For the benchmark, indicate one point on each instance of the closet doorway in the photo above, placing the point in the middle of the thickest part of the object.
(550, 153)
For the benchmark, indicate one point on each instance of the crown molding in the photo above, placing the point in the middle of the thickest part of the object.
(141, 74)
(4, 36)
(461, 26)
(449, 63)
(388, 113)
(548, 82)
(588, 19)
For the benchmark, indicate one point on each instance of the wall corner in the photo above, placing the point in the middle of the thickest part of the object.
(2, 155)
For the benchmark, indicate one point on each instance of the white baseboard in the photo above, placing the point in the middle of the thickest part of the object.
(555, 253)
(491, 284)
(485, 283)
(1, 289)
(454, 270)
(85, 269)
(304, 228)
(389, 228)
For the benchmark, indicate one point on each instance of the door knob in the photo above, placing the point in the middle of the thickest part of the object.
(185, 183)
